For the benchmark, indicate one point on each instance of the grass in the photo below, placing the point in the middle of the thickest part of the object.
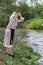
(23, 55)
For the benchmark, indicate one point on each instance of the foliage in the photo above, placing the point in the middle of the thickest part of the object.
(39, 10)
(23, 55)
(23, 24)
(28, 12)
(36, 23)
(23, 9)
(6, 8)
(4, 19)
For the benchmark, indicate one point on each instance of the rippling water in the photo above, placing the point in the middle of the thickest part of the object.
(36, 40)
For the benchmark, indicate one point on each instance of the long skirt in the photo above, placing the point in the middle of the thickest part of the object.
(9, 35)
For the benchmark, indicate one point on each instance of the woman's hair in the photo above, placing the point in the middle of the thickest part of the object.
(12, 15)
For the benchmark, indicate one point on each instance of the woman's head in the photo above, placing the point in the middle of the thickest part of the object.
(14, 15)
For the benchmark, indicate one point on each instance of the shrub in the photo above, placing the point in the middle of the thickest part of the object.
(4, 19)
(24, 24)
(36, 23)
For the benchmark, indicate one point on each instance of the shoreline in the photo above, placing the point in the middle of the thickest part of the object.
(3, 28)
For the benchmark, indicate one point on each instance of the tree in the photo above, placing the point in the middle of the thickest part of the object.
(33, 2)
(6, 5)
(6, 8)
(23, 9)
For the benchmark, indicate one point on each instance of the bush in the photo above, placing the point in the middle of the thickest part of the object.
(4, 19)
(36, 23)
(24, 24)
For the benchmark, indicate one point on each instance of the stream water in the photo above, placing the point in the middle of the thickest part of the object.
(35, 38)
(36, 41)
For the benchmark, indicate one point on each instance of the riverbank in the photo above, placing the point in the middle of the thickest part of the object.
(18, 31)
(23, 55)
(20, 51)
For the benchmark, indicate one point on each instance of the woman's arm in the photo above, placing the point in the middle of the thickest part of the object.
(21, 18)
(20, 15)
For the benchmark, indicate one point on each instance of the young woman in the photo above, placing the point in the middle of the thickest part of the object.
(9, 32)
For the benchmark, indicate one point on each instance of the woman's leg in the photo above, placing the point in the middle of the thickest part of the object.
(11, 41)
(9, 50)
(7, 42)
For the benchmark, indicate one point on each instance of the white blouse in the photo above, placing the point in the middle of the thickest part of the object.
(13, 23)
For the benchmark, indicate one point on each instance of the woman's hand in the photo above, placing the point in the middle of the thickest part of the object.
(20, 15)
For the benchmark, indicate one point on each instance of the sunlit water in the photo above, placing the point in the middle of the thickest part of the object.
(35, 38)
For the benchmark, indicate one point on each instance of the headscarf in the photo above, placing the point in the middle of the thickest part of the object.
(12, 15)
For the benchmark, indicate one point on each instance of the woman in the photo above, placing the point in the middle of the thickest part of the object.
(9, 33)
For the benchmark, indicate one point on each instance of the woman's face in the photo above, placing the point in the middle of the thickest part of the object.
(16, 15)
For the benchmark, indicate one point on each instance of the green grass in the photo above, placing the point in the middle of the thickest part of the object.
(23, 55)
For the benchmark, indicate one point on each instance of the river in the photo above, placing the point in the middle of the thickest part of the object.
(34, 37)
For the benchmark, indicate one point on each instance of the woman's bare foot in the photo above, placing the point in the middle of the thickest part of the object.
(9, 52)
